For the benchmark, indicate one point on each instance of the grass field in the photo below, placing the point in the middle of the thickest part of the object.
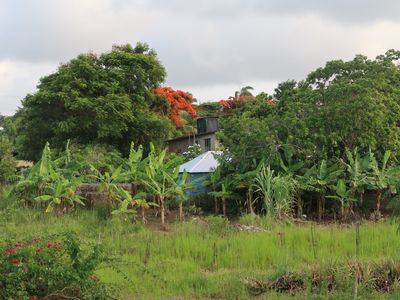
(211, 259)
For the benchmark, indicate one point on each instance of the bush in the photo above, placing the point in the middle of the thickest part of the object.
(219, 224)
(8, 163)
(49, 269)
(104, 210)
(203, 201)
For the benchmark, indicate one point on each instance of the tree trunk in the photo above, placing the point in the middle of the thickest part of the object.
(299, 207)
(216, 210)
(162, 211)
(342, 209)
(320, 208)
(144, 221)
(180, 211)
(224, 206)
(250, 201)
(378, 200)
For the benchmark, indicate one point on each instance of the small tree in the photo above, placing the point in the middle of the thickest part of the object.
(320, 178)
(108, 181)
(357, 173)
(213, 181)
(61, 194)
(161, 179)
(345, 196)
(222, 194)
(382, 176)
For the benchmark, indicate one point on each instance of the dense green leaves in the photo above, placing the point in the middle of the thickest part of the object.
(104, 99)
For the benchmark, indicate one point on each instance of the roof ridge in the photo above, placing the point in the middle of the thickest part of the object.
(200, 160)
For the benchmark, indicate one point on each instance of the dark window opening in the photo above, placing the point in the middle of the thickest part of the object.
(207, 144)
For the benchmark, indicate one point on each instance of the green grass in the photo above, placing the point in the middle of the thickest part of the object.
(194, 261)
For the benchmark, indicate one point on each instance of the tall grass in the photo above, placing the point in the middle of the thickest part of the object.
(205, 261)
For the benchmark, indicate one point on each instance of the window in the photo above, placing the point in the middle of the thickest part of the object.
(207, 144)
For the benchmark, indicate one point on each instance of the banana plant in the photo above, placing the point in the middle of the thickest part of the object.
(129, 204)
(61, 195)
(108, 181)
(382, 177)
(162, 179)
(344, 196)
(357, 173)
(134, 164)
(319, 178)
(38, 179)
(212, 181)
(223, 194)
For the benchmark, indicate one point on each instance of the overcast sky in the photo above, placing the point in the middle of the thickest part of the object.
(209, 47)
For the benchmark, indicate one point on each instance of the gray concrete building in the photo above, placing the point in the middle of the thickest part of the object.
(204, 137)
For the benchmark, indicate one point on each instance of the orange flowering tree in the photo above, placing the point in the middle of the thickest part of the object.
(178, 101)
(234, 102)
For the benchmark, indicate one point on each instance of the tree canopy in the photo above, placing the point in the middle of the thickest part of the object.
(97, 99)
(342, 105)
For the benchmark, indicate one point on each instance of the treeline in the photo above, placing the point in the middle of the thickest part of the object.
(316, 146)
(326, 146)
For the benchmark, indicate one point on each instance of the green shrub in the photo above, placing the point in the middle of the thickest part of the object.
(219, 225)
(250, 219)
(7, 162)
(104, 210)
(203, 201)
(46, 268)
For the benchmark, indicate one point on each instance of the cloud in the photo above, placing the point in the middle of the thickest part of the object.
(206, 46)
(16, 80)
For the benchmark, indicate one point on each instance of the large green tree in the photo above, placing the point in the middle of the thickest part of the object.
(342, 105)
(102, 99)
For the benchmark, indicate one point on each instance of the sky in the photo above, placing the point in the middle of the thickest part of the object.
(210, 48)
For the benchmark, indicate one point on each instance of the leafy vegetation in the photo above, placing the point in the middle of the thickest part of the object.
(322, 149)
(58, 269)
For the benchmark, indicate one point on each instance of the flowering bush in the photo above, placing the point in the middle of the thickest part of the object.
(52, 269)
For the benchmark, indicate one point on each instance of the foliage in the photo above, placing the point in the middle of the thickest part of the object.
(178, 101)
(96, 99)
(192, 152)
(7, 161)
(77, 160)
(275, 191)
(61, 194)
(38, 269)
(172, 265)
(129, 204)
(344, 196)
(108, 181)
(37, 180)
(161, 178)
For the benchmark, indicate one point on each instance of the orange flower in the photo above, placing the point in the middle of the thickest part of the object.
(178, 101)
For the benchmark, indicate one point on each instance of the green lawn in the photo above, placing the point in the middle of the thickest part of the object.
(195, 260)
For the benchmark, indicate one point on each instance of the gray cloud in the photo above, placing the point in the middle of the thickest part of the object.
(208, 46)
